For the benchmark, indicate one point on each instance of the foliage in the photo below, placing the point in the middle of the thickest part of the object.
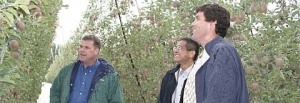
(139, 45)
(34, 53)
(270, 51)
(9, 18)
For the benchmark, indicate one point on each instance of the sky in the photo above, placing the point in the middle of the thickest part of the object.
(70, 17)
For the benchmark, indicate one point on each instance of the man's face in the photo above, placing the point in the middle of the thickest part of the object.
(181, 54)
(87, 52)
(200, 27)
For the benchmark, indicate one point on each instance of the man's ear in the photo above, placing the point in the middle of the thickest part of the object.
(97, 51)
(192, 54)
(213, 23)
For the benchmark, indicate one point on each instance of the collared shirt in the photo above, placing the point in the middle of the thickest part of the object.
(181, 77)
(189, 89)
(82, 83)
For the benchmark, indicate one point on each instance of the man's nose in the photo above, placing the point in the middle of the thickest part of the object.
(192, 25)
(81, 49)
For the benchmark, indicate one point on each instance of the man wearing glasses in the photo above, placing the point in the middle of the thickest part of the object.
(185, 54)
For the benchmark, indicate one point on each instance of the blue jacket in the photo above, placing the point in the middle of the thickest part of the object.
(221, 79)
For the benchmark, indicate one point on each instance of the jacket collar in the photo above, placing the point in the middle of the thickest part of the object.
(104, 65)
(101, 71)
(209, 46)
(174, 69)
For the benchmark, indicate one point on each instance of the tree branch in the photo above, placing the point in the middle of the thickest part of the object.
(3, 50)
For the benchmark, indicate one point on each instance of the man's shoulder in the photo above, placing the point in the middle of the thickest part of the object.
(217, 44)
(113, 74)
(69, 66)
(105, 66)
(224, 46)
(174, 69)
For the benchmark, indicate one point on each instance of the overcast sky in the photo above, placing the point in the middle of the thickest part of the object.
(69, 18)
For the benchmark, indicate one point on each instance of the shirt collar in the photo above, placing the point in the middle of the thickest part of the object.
(188, 70)
(95, 65)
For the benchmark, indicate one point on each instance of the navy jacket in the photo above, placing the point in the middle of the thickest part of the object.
(168, 86)
(221, 79)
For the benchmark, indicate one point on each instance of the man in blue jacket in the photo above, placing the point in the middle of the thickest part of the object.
(218, 75)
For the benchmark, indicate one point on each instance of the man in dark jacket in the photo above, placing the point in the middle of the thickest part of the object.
(87, 80)
(185, 53)
(218, 74)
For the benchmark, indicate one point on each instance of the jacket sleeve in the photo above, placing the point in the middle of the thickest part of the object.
(115, 90)
(55, 90)
(162, 88)
(222, 81)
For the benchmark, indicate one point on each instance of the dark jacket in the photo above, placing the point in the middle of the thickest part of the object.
(221, 79)
(105, 86)
(168, 86)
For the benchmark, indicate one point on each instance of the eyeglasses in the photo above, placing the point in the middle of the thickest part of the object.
(177, 48)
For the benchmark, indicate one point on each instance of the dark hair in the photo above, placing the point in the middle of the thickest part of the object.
(93, 38)
(214, 12)
(191, 45)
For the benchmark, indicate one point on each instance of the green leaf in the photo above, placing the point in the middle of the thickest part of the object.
(12, 5)
(16, 76)
(3, 72)
(45, 2)
(32, 6)
(14, 12)
(1, 94)
(9, 18)
(24, 2)
(281, 75)
(25, 9)
(7, 79)
(16, 35)
(34, 1)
